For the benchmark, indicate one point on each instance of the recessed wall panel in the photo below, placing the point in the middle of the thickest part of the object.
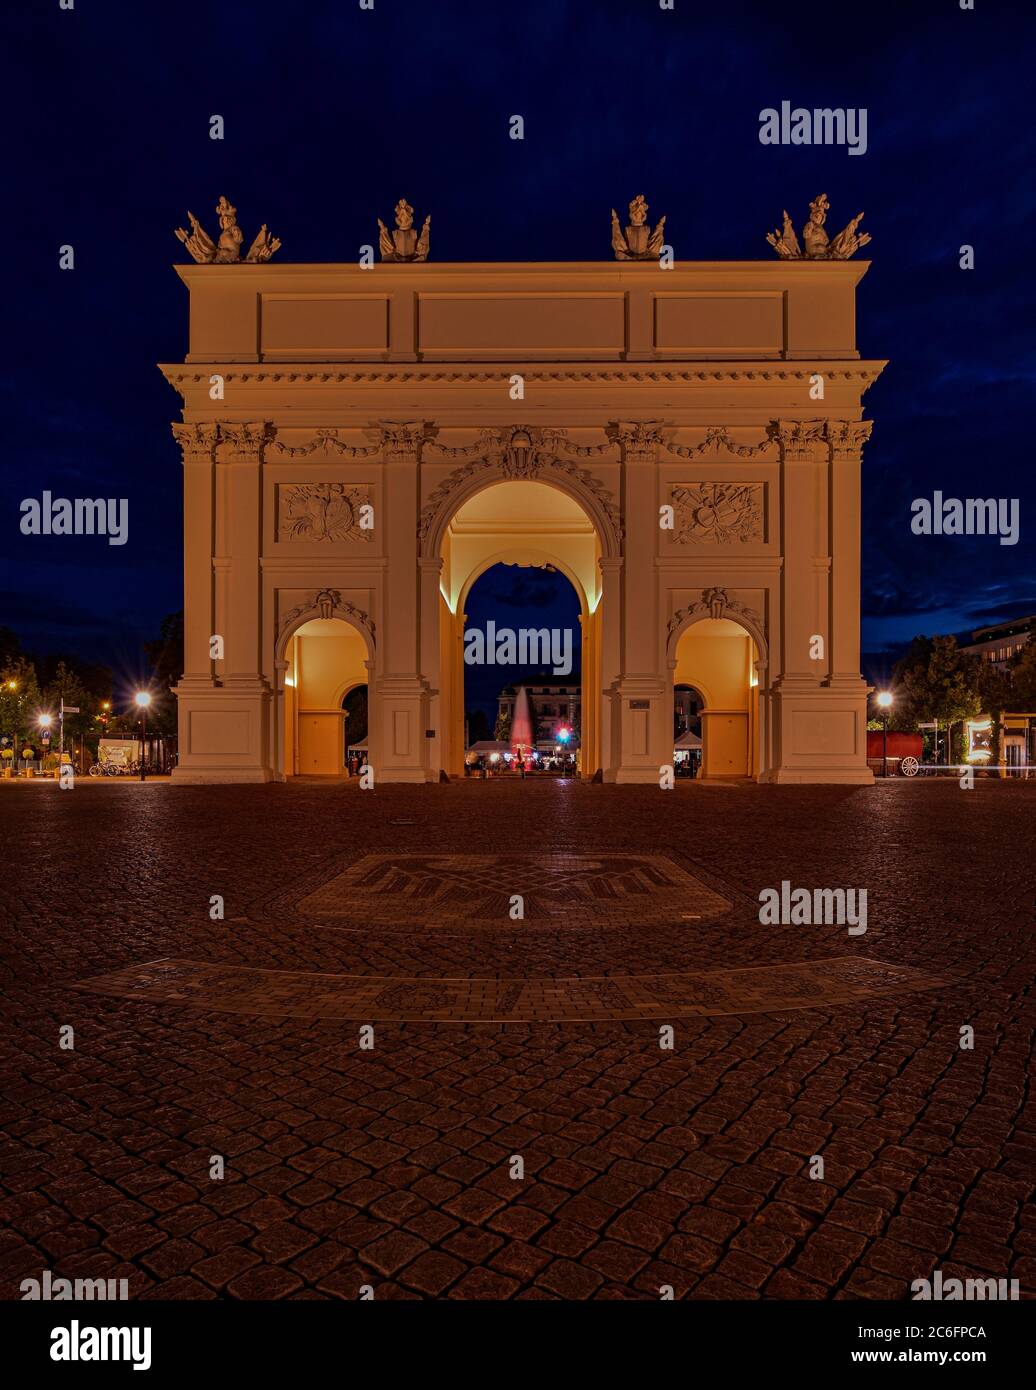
(521, 325)
(333, 327)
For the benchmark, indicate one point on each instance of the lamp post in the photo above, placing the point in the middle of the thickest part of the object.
(143, 699)
(45, 721)
(12, 686)
(884, 703)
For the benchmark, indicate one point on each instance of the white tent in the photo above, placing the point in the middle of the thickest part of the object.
(687, 740)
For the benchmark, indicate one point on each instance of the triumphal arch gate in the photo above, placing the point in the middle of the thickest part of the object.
(361, 442)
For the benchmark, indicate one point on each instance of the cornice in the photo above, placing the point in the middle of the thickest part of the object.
(417, 373)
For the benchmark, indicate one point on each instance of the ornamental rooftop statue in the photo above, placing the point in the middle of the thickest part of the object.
(227, 250)
(637, 242)
(403, 244)
(818, 247)
(634, 242)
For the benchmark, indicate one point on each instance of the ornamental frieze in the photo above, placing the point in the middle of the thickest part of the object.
(718, 513)
(322, 512)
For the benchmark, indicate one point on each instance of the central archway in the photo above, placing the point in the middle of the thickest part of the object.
(531, 524)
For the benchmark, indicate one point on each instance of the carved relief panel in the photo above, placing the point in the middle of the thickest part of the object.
(719, 513)
(329, 512)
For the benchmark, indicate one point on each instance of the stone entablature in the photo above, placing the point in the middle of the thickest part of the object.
(392, 390)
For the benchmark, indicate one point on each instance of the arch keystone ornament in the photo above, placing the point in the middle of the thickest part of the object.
(387, 387)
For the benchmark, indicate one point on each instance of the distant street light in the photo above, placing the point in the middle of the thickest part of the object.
(885, 702)
(143, 699)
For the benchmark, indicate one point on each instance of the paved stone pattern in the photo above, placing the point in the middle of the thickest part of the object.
(643, 1167)
(447, 889)
(379, 998)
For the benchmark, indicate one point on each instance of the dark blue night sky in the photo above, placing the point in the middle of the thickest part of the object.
(333, 113)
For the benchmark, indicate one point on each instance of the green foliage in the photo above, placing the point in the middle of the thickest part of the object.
(67, 686)
(166, 655)
(936, 680)
(1021, 693)
(20, 706)
(502, 732)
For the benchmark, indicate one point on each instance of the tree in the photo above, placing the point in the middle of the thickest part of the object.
(10, 648)
(67, 686)
(1021, 683)
(166, 654)
(937, 680)
(502, 732)
(20, 701)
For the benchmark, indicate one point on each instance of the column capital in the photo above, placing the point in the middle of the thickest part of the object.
(796, 437)
(847, 437)
(402, 439)
(244, 443)
(639, 440)
(198, 441)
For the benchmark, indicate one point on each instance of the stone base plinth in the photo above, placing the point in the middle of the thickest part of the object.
(223, 731)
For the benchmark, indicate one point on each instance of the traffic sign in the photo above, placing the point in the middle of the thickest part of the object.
(69, 709)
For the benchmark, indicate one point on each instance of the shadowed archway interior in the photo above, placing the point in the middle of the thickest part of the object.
(536, 526)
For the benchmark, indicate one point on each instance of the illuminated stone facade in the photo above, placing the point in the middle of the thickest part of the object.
(686, 447)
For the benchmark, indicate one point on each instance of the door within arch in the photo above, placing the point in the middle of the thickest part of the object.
(326, 658)
(717, 657)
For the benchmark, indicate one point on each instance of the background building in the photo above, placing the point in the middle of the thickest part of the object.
(998, 644)
(555, 706)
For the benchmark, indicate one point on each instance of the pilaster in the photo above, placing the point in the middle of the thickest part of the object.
(819, 723)
(641, 700)
(403, 704)
(224, 723)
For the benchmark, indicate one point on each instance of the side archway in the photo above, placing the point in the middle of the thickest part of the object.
(324, 648)
(718, 647)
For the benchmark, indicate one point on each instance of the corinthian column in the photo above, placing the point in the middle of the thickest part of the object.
(818, 722)
(402, 697)
(800, 547)
(846, 439)
(224, 721)
(240, 454)
(642, 716)
(198, 442)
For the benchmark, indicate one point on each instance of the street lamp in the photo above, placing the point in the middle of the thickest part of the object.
(884, 703)
(44, 721)
(13, 685)
(143, 699)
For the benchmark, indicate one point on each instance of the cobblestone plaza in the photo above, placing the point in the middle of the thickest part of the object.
(391, 1166)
